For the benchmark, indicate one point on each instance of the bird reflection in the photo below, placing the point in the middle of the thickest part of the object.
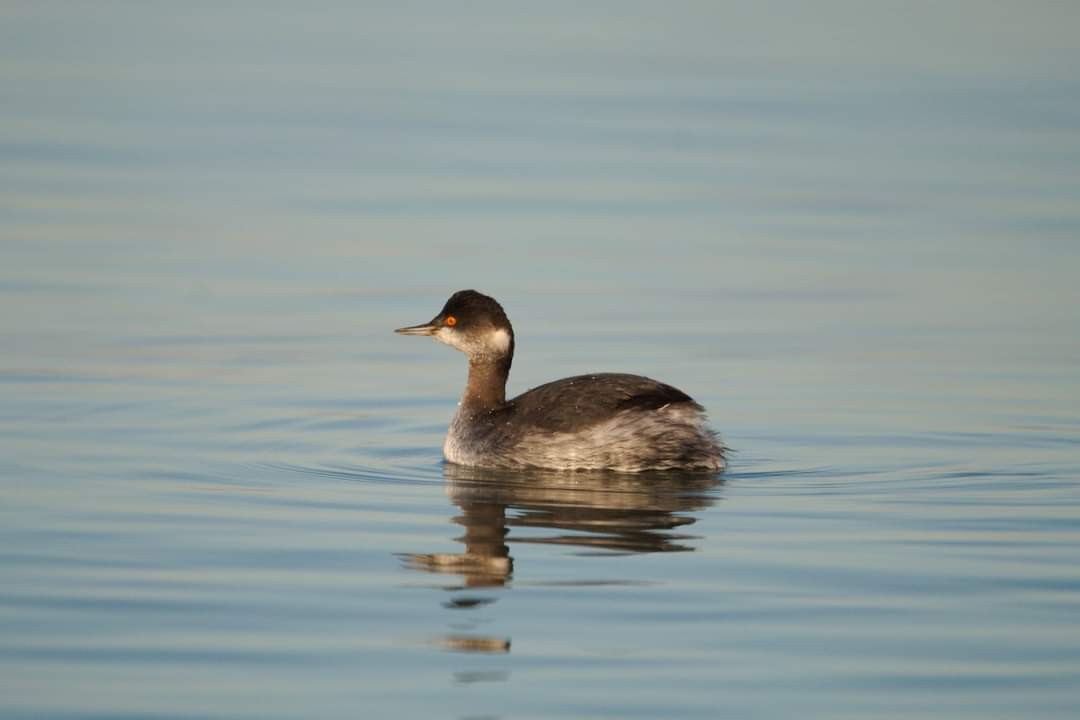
(594, 512)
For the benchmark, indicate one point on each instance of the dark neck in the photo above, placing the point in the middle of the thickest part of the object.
(486, 387)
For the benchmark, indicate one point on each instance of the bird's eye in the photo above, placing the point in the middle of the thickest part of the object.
(451, 320)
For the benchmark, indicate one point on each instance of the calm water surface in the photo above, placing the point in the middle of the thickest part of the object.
(854, 236)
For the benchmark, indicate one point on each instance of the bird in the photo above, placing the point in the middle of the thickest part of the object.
(601, 421)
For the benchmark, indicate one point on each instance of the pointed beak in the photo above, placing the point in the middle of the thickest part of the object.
(425, 329)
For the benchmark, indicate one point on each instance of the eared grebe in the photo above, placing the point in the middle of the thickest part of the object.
(614, 421)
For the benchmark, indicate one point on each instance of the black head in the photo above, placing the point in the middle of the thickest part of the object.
(473, 323)
(474, 311)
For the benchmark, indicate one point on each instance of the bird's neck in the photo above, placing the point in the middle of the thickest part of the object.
(486, 387)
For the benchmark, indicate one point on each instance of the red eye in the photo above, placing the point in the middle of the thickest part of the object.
(451, 320)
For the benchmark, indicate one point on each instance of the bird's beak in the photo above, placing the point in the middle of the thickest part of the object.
(426, 329)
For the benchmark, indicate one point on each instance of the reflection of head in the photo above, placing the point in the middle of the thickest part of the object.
(486, 561)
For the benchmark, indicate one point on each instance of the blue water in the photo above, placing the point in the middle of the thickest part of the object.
(852, 233)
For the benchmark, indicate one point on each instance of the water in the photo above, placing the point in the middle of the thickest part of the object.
(852, 234)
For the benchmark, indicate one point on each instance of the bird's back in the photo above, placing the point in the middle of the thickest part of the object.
(576, 403)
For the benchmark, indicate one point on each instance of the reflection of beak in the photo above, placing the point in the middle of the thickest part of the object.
(474, 643)
(425, 329)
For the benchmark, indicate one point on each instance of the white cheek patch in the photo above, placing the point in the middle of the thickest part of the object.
(446, 335)
(500, 340)
(496, 342)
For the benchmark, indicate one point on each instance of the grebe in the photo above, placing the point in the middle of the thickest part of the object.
(610, 421)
